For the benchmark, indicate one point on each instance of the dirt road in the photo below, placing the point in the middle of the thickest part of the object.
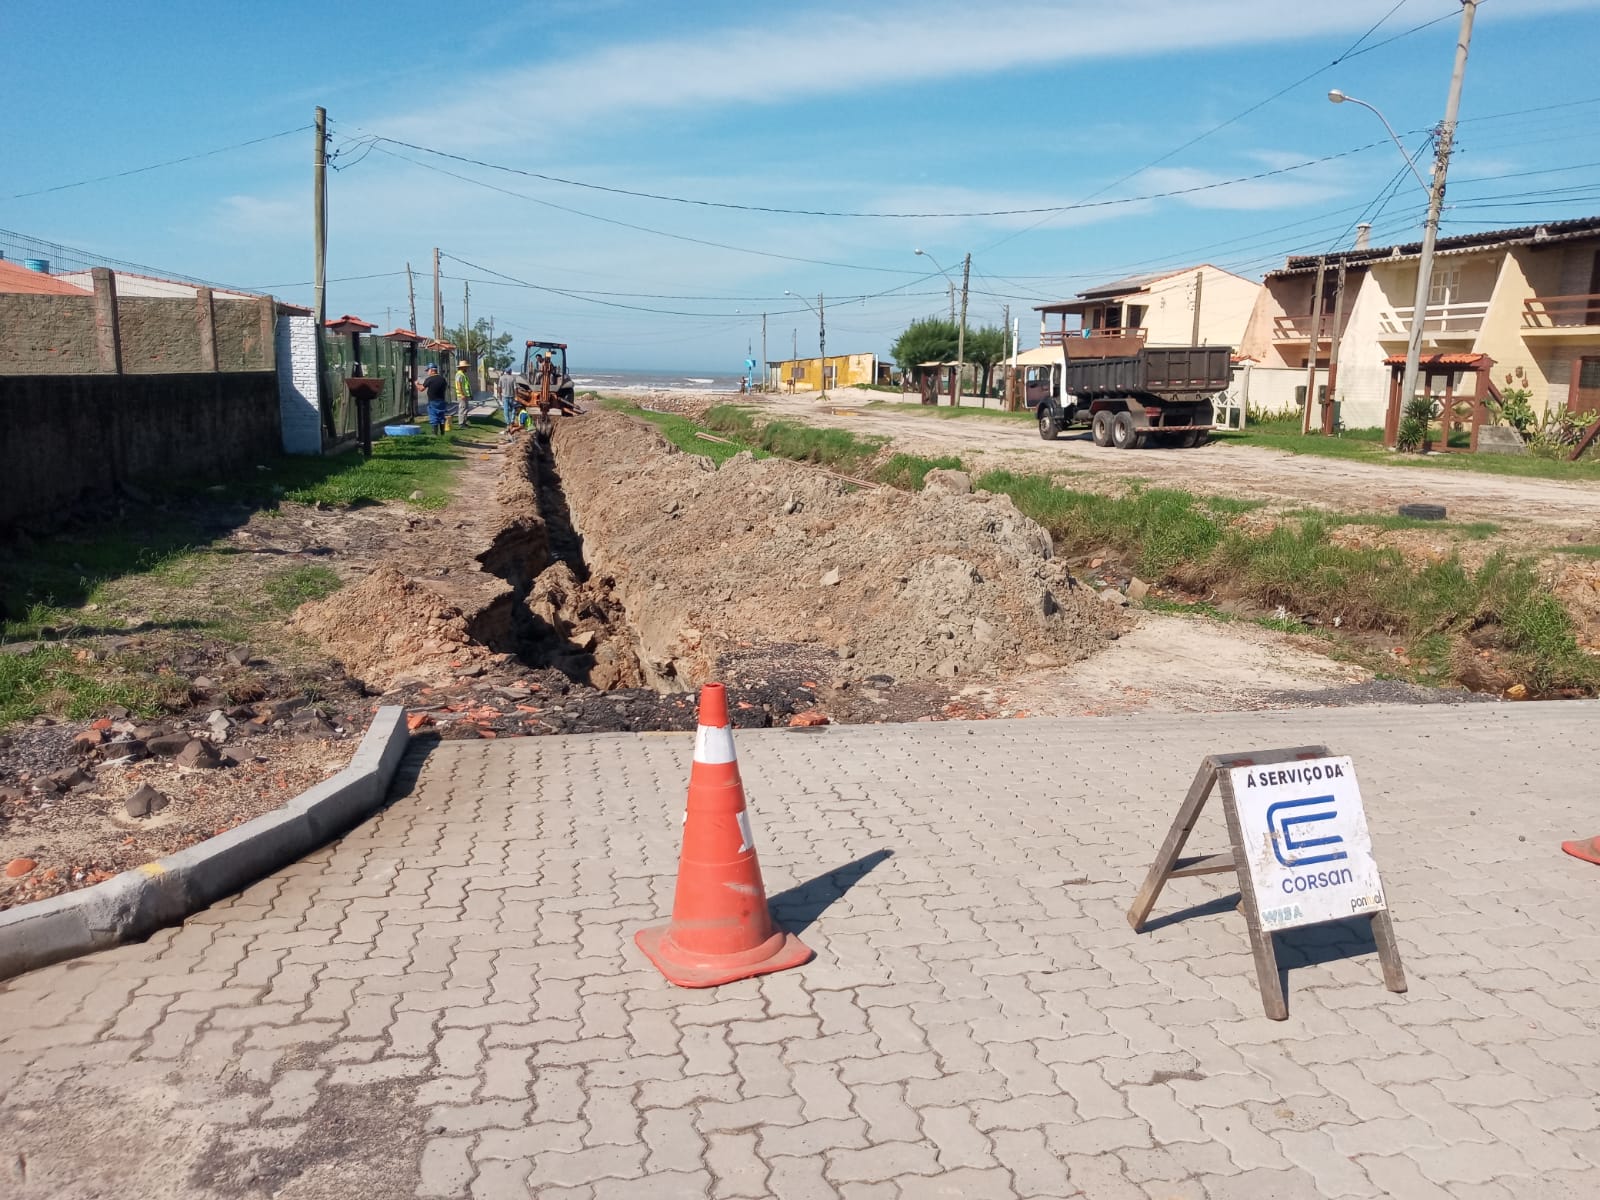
(1247, 472)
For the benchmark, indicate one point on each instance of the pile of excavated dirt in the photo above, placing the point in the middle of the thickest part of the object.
(390, 626)
(762, 551)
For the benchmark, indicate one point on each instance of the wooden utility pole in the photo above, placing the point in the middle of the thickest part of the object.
(950, 287)
(1313, 346)
(438, 301)
(319, 215)
(961, 332)
(1333, 354)
(822, 346)
(464, 353)
(1430, 229)
(763, 352)
(319, 237)
(1199, 291)
(1005, 328)
(411, 298)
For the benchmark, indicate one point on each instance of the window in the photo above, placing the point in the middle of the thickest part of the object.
(1445, 286)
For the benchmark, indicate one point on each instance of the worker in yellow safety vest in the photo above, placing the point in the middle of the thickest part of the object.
(463, 393)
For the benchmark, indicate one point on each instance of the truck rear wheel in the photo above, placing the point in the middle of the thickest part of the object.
(1048, 426)
(1100, 428)
(1123, 435)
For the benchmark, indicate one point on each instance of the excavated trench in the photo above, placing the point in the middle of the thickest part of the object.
(558, 615)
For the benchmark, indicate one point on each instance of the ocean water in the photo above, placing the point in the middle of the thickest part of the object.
(609, 379)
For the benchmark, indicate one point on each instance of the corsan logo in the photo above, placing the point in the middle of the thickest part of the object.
(1291, 821)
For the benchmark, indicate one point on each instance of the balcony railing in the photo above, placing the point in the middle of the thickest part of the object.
(1440, 320)
(1298, 328)
(1095, 343)
(1560, 312)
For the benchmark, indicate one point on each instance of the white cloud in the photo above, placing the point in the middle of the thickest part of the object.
(764, 64)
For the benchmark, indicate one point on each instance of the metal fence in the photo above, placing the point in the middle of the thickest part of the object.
(380, 359)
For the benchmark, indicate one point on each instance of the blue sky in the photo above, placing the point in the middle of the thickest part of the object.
(922, 107)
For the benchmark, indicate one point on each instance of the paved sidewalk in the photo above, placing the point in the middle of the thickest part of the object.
(449, 1003)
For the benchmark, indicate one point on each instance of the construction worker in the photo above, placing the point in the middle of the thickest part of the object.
(463, 393)
(507, 385)
(433, 386)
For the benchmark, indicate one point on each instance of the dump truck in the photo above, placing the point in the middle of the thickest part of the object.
(1159, 393)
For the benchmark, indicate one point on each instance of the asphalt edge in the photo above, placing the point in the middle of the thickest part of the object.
(136, 903)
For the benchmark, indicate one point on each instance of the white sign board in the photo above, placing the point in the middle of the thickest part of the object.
(1305, 842)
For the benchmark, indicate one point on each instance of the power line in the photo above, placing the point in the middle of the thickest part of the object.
(171, 162)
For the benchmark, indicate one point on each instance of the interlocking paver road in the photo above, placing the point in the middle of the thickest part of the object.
(448, 1002)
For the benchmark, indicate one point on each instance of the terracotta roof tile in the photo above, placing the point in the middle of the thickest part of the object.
(14, 278)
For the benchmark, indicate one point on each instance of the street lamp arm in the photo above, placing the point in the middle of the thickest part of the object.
(1338, 97)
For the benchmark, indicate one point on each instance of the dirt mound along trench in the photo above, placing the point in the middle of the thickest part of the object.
(708, 560)
(527, 598)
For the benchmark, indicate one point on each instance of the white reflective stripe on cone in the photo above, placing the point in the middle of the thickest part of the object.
(713, 744)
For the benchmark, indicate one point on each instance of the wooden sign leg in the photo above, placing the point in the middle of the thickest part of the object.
(1394, 975)
(1167, 857)
(1261, 946)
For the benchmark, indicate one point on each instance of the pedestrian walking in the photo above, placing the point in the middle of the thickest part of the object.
(463, 394)
(434, 387)
(508, 395)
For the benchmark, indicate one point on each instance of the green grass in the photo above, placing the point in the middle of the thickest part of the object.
(1367, 445)
(1172, 537)
(909, 472)
(684, 433)
(51, 679)
(1580, 551)
(76, 584)
(289, 589)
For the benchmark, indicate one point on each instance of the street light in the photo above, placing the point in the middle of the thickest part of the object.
(822, 340)
(1430, 234)
(947, 279)
(1338, 97)
(1435, 190)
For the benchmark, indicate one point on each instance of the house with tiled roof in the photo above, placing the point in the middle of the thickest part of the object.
(20, 280)
(1522, 304)
(1199, 305)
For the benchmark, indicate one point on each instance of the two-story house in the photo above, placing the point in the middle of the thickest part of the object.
(1526, 300)
(1203, 305)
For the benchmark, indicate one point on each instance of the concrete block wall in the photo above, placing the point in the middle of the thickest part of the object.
(107, 430)
(299, 418)
(47, 335)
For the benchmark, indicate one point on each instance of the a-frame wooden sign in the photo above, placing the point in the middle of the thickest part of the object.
(1299, 848)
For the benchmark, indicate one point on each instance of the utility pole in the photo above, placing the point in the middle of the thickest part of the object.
(961, 332)
(438, 301)
(1430, 229)
(1199, 290)
(411, 298)
(794, 345)
(763, 352)
(1313, 346)
(319, 238)
(822, 346)
(1005, 328)
(950, 288)
(465, 352)
(319, 214)
(1333, 354)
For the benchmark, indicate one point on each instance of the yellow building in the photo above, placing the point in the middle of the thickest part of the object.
(804, 374)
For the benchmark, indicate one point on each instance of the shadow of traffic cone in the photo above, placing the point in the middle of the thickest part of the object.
(1587, 849)
(720, 929)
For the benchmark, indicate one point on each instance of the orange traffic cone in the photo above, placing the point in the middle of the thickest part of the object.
(720, 929)
(1587, 849)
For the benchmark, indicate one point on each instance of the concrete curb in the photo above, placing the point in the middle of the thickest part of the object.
(138, 902)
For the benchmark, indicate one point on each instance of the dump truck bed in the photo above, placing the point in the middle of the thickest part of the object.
(1155, 370)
